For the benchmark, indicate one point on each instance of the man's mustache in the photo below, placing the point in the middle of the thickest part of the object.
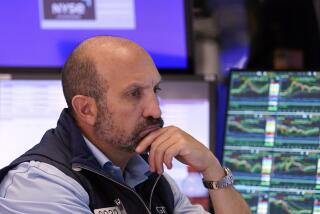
(154, 121)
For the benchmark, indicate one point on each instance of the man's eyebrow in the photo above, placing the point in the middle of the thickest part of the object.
(138, 84)
(135, 85)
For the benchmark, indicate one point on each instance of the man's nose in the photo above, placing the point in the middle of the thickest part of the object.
(152, 107)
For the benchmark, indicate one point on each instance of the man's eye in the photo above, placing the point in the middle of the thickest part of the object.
(135, 93)
(157, 89)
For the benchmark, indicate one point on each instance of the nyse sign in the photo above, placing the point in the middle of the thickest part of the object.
(68, 9)
(87, 14)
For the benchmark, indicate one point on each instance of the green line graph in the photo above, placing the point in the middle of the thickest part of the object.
(246, 125)
(250, 85)
(245, 162)
(298, 126)
(291, 204)
(295, 165)
(301, 87)
(286, 130)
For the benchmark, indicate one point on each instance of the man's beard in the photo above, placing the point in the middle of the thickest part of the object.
(106, 131)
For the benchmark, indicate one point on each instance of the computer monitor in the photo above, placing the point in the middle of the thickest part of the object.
(42, 33)
(272, 139)
(29, 107)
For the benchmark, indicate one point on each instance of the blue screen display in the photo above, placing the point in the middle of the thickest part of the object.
(43, 33)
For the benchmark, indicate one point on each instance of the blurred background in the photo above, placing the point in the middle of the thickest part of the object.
(253, 35)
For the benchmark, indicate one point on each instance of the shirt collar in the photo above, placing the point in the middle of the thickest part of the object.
(101, 158)
(136, 171)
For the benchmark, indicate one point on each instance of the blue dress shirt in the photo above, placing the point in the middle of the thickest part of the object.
(35, 187)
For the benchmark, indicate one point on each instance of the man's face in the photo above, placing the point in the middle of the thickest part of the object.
(129, 110)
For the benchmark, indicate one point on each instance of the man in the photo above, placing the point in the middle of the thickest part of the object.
(95, 160)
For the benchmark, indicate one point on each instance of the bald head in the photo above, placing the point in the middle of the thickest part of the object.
(106, 48)
(87, 68)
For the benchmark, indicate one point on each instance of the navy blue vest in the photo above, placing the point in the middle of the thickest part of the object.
(65, 148)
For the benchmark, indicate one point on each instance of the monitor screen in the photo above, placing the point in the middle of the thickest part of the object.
(272, 139)
(30, 107)
(42, 33)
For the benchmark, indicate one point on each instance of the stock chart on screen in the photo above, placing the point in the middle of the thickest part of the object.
(272, 139)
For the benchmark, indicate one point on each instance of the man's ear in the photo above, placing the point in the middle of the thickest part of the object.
(85, 109)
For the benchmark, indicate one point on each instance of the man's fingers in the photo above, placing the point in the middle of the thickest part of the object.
(158, 153)
(153, 154)
(171, 152)
(148, 140)
(169, 142)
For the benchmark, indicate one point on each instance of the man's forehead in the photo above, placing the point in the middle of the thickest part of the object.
(126, 65)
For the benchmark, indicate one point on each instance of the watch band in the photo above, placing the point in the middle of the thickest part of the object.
(226, 181)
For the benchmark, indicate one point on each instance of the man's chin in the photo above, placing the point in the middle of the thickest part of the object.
(127, 149)
(130, 148)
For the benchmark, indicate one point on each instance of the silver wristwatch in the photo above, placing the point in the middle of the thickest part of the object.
(226, 181)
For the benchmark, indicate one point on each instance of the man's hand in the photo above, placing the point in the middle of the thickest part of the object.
(169, 142)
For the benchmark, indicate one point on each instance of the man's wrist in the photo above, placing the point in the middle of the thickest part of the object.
(214, 172)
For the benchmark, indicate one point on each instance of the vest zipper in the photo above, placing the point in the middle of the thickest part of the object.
(154, 186)
(94, 171)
